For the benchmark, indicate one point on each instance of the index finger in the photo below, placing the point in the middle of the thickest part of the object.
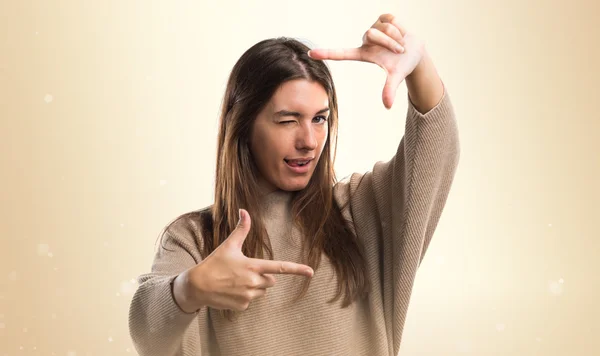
(280, 267)
(352, 54)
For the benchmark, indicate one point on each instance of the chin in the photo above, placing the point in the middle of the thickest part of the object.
(295, 185)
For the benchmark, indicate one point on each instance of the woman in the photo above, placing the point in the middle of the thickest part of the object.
(345, 253)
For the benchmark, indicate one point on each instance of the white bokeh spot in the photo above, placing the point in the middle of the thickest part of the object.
(43, 250)
(556, 287)
(163, 182)
(500, 327)
(48, 98)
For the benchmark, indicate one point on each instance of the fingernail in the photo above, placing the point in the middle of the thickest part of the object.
(240, 214)
(399, 49)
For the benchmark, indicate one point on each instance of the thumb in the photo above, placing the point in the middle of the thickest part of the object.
(392, 83)
(238, 236)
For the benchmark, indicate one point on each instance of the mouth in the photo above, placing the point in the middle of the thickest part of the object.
(301, 162)
(301, 165)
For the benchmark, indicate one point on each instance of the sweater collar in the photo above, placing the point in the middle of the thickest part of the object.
(277, 204)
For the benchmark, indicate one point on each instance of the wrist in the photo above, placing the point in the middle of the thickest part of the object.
(425, 87)
(423, 67)
(183, 294)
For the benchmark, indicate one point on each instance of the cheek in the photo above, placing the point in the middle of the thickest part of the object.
(269, 149)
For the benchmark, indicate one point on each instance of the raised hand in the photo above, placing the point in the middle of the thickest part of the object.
(227, 279)
(387, 44)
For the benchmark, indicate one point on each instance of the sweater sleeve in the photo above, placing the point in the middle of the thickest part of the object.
(157, 325)
(396, 206)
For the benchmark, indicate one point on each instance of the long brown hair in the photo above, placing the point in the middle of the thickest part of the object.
(252, 82)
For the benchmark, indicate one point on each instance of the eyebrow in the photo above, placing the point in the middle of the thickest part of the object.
(281, 113)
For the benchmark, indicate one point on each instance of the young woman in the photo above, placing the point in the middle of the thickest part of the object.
(288, 261)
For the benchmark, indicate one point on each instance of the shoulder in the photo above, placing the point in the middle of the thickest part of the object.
(345, 188)
(189, 223)
(189, 229)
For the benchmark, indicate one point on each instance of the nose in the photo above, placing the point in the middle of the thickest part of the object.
(306, 139)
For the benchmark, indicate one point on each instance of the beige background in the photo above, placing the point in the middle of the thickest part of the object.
(108, 122)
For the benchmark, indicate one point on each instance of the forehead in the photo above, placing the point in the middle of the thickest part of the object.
(299, 95)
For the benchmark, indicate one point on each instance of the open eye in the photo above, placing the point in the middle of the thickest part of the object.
(321, 117)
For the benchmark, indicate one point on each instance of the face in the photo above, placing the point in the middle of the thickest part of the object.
(288, 135)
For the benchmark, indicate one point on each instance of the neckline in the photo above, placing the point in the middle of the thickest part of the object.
(277, 203)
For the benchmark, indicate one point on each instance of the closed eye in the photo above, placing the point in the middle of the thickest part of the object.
(323, 118)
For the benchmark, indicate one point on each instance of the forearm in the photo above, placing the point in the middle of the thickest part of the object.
(425, 87)
(156, 323)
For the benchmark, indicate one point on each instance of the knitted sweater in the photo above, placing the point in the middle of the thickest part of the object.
(395, 209)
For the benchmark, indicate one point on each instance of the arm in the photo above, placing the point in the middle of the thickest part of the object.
(427, 97)
(405, 196)
(156, 322)
(425, 88)
(167, 320)
(396, 207)
(418, 178)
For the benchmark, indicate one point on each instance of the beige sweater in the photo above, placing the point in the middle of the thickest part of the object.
(395, 209)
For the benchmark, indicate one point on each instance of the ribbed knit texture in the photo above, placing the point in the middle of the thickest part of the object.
(395, 209)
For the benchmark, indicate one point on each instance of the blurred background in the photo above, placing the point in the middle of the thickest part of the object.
(108, 114)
